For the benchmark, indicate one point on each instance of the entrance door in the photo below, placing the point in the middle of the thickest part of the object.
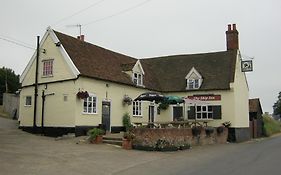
(151, 114)
(177, 113)
(106, 115)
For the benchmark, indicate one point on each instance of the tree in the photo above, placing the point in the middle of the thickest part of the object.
(277, 105)
(9, 81)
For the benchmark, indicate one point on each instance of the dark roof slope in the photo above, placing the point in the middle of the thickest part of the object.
(166, 74)
(217, 70)
(96, 62)
(255, 105)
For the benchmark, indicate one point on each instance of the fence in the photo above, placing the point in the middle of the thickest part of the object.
(11, 105)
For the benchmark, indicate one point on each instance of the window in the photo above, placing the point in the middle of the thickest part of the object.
(193, 83)
(48, 67)
(28, 100)
(138, 79)
(90, 105)
(204, 112)
(137, 108)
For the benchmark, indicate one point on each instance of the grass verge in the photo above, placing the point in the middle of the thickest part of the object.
(271, 126)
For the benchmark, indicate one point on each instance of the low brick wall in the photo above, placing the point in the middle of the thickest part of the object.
(149, 137)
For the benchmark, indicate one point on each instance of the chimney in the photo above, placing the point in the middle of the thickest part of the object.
(81, 37)
(232, 42)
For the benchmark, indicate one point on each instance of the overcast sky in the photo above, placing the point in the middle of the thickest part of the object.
(148, 28)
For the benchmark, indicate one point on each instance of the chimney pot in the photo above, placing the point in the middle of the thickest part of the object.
(229, 27)
(82, 37)
(233, 26)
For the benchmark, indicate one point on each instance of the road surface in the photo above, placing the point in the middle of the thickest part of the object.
(23, 153)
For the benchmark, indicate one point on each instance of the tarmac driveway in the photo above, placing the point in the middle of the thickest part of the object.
(24, 153)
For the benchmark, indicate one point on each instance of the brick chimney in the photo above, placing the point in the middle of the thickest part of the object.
(232, 41)
(81, 37)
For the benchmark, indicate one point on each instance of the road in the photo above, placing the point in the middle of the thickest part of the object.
(23, 153)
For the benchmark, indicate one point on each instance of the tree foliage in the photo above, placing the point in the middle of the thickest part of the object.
(12, 81)
(277, 105)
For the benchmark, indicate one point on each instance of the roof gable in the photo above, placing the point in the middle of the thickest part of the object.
(48, 37)
(193, 74)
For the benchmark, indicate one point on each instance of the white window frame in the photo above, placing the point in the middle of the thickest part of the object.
(93, 104)
(25, 103)
(201, 112)
(48, 68)
(193, 83)
(137, 108)
(138, 79)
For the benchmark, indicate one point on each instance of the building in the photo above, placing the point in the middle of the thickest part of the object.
(255, 118)
(70, 69)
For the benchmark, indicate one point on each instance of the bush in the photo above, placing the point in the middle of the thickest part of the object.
(93, 133)
(270, 126)
(127, 122)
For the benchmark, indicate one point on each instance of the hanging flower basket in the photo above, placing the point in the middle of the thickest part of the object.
(82, 94)
(127, 100)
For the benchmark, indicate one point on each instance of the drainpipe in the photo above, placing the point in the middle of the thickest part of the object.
(43, 109)
(36, 87)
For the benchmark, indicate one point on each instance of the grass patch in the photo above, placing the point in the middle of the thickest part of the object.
(271, 126)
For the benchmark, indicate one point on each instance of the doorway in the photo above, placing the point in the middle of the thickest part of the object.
(151, 114)
(177, 113)
(106, 115)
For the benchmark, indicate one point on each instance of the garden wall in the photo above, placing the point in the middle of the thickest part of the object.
(176, 137)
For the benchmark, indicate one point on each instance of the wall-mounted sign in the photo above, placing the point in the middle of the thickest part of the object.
(247, 66)
(205, 97)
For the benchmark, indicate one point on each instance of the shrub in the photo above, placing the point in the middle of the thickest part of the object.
(127, 122)
(93, 133)
(270, 126)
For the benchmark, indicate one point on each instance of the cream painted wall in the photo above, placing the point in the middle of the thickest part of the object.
(57, 113)
(61, 71)
(226, 102)
(113, 93)
(241, 99)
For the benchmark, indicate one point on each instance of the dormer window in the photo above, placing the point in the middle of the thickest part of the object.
(138, 79)
(193, 83)
(193, 79)
(138, 74)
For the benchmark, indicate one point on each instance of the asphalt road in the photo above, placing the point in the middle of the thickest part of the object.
(23, 153)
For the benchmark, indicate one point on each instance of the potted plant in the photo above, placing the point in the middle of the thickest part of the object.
(127, 140)
(95, 135)
(209, 130)
(82, 94)
(127, 100)
(127, 122)
(220, 130)
(196, 130)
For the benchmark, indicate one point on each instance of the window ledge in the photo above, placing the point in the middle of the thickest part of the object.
(84, 113)
(47, 76)
(27, 105)
(137, 116)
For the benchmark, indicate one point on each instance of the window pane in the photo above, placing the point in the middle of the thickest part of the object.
(204, 115)
(196, 83)
(204, 108)
(198, 115)
(198, 108)
(210, 108)
(210, 115)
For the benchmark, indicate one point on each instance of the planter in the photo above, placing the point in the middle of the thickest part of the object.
(196, 131)
(209, 131)
(220, 130)
(127, 144)
(97, 140)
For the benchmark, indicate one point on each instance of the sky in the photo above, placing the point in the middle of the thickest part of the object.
(149, 28)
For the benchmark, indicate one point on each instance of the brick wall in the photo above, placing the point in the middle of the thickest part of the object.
(176, 136)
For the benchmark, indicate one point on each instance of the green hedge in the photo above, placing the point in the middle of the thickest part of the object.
(271, 126)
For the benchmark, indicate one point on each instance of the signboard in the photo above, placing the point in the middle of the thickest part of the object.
(205, 97)
(247, 66)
